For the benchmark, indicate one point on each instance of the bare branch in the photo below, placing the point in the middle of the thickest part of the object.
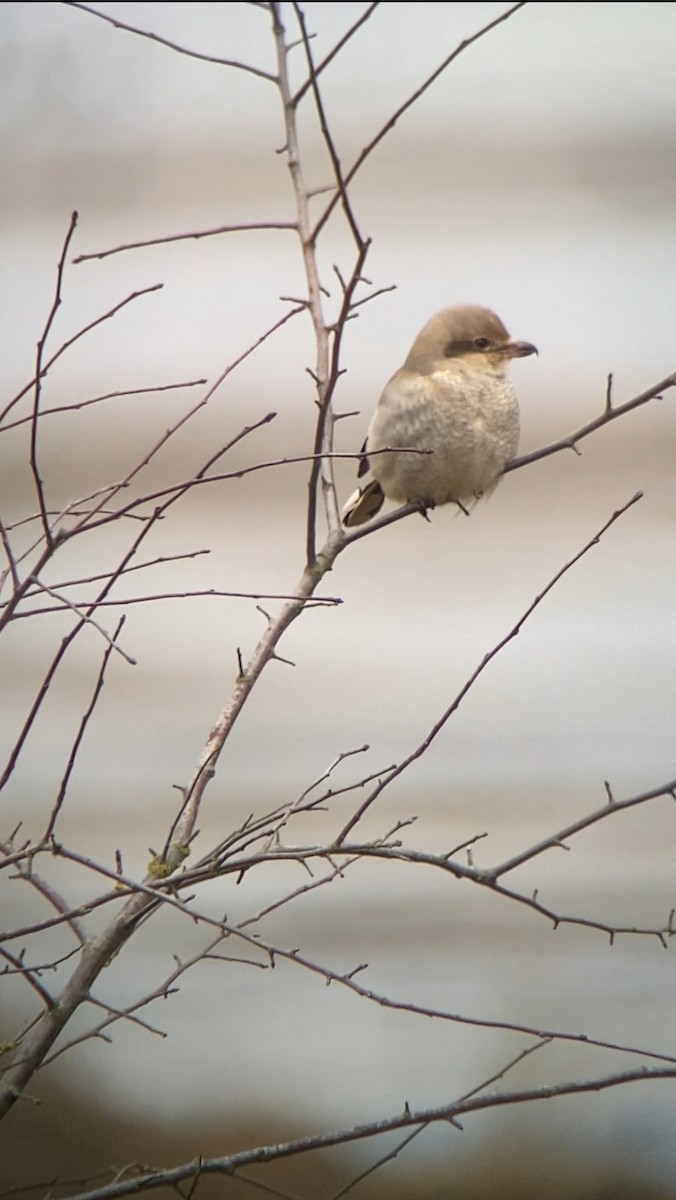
(165, 989)
(226, 1164)
(559, 839)
(70, 606)
(315, 306)
(86, 717)
(153, 562)
(64, 646)
(315, 602)
(194, 236)
(107, 493)
(340, 45)
(45, 366)
(67, 916)
(30, 976)
(345, 201)
(326, 420)
(9, 555)
(68, 408)
(324, 430)
(155, 37)
(488, 658)
(35, 470)
(200, 479)
(609, 414)
(389, 1157)
(412, 99)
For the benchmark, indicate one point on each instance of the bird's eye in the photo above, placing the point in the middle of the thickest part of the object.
(481, 343)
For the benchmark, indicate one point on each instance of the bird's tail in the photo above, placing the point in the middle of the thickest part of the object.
(363, 504)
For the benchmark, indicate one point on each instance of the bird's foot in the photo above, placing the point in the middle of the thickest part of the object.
(425, 507)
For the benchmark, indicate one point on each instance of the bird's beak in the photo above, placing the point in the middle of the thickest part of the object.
(519, 349)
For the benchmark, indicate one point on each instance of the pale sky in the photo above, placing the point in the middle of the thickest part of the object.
(554, 69)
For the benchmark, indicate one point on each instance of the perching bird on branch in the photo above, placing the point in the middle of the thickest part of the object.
(451, 398)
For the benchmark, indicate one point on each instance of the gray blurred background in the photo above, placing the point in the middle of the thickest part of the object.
(537, 176)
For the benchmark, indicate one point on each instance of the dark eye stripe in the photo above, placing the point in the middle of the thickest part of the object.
(453, 349)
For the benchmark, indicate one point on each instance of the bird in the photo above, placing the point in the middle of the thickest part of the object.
(452, 403)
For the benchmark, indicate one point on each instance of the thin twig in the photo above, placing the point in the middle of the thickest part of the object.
(569, 831)
(37, 390)
(412, 99)
(9, 555)
(608, 415)
(451, 1111)
(67, 916)
(315, 305)
(152, 562)
(29, 975)
(86, 717)
(195, 235)
(65, 603)
(45, 366)
(77, 405)
(114, 489)
(488, 658)
(392, 1154)
(340, 45)
(162, 41)
(315, 602)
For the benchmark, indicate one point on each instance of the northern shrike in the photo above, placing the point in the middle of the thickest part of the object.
(453, 399)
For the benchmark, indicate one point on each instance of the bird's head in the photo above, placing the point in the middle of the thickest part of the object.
(465, 333)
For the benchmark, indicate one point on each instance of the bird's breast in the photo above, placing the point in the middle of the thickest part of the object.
(468, 420)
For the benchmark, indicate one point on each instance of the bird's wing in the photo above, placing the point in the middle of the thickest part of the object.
(363, 461)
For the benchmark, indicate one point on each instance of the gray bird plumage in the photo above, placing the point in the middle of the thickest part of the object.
(451, 399)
